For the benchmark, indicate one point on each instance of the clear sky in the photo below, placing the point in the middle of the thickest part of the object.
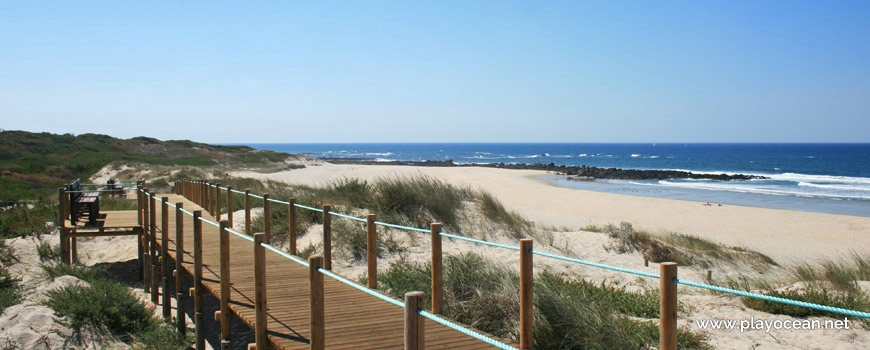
(439, 71)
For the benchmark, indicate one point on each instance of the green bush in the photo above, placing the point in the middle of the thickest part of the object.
(162, 336)
(47, 252)
(10, 290)
(23, 221)
(104, 303)
(82, 272)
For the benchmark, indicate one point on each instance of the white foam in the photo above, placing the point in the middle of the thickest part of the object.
(770, 189)
(635, 155)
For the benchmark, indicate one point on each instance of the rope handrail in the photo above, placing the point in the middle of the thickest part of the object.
(401, 227)
(465, 330)
(285, 255)
(237, 233)
(361, 288)
(479, 241)
(347, 216)
(775, 299)
(239, 192)
(273, 200)
(117, 184)
(820, 307)
(307, 207)
(92, 191)
(595, 264)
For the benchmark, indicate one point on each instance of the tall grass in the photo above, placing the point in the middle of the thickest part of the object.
(350, 240)
(832, 283)
(680, 248)
(569, 313)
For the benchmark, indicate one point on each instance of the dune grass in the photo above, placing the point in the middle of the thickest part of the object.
(831, 283)
(683, 249)
(108, 306)
(570, 313)
(413, 201)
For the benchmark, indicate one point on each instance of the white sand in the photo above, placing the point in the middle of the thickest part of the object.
(787, 236)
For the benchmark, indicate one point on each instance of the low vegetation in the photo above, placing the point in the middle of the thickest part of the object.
(35, 165)
(25, 220)
(685, 250)
(570, 313)
(48, 252)
(108, 306)
(833, 284)
(413, 201)
(10, 290)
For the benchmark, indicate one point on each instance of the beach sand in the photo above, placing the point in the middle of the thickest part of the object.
(789, 237)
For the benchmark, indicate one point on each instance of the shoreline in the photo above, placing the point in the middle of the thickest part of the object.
(782, 234)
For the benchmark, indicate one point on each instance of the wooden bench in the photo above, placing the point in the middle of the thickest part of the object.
(82, 203)
(115, 189)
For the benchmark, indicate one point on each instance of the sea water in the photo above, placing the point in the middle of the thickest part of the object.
(828, 178)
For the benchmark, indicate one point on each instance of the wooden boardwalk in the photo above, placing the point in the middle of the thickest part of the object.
(353, 319)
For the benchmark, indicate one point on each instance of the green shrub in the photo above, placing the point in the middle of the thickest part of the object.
(7, 254)
(10, 290)
(23, 221)
(82, 272)
(47, 252)
(104, 303)
(306, 252)
(162, 336)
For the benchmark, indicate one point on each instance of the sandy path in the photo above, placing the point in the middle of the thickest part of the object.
(787, 236)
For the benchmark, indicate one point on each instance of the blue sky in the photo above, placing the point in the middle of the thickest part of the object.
(478, 71)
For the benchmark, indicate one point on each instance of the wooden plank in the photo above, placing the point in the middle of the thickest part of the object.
(353, 320)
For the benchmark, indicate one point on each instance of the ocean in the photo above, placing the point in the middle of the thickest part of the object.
(827, 178)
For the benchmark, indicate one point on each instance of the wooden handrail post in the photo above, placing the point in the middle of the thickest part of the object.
(668, 312)
(248, 212)
(327, 238)
(164, 257)
(139, 202)
(291, 225)
(74, 250)
(414, 325)
(140, 210)
(225, 281)
(217, 201)
(155, 292)
(146, 241)
(437, 276)
(64, 246)
(267, 218)
(260, 292)
(372, 250)
(180, 314)
(316, 303)
(526, 284)
(197, 280)
(230, 205)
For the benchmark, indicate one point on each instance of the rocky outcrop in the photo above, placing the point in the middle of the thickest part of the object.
(574, 172)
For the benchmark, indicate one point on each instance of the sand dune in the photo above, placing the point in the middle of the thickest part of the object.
(787, 236)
